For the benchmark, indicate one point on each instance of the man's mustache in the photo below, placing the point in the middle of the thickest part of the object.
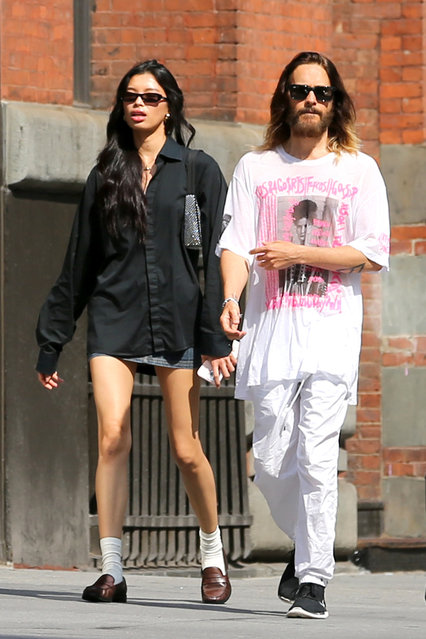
(311, 111)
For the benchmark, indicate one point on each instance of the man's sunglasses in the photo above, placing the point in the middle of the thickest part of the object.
(152, 99)
(301, 92)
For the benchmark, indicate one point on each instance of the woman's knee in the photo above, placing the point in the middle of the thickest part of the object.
(188, 458)
(114, 439)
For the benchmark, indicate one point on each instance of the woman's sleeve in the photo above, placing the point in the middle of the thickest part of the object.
(69, 295)
(211, 194)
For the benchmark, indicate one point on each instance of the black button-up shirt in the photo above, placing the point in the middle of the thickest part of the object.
(142, 297)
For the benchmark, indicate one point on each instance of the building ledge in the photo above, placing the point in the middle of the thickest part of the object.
(390, 554)
(52, 148)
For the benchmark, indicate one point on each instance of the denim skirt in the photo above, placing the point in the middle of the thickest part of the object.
(189, 358)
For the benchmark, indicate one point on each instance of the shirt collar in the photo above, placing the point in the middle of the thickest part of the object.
(172, 150)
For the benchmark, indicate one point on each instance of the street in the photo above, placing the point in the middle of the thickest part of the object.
(42, 603)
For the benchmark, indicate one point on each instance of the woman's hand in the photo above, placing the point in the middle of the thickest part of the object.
(221, 365)
(277, 255)
(50, 381)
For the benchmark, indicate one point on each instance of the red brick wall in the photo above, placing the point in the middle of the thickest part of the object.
(196, 39)
(269, 35)
(408, 240)
(356, 51)
(405, 462)
(36, 54)
(402, 75)
(228, 54)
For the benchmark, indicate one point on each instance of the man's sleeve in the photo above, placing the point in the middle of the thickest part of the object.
(239, 220)
(211, 193)
(371, 228)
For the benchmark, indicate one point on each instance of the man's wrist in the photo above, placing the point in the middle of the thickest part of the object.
(230, 299)
(302, 255)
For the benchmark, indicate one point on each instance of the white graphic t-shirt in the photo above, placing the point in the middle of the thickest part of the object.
(304, 320)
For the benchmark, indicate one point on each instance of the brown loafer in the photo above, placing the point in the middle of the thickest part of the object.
(104, 589)
(215, 586)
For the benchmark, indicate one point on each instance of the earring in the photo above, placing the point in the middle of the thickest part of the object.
(167, 117)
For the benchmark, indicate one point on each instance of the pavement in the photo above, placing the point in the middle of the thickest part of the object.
(165, 604)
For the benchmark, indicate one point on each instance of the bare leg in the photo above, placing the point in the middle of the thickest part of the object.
(181, 388)
(112, 386)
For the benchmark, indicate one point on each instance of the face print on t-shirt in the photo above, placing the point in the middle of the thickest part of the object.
(312, 220)
(309, 221)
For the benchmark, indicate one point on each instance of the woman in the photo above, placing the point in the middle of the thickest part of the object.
(127, 261)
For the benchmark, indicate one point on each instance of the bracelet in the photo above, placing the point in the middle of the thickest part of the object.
(230, 299)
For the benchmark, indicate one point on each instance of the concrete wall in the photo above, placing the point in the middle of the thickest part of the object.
(404, 514)
(269, 543)
(404, 323)
(44, 434)
(403, 168)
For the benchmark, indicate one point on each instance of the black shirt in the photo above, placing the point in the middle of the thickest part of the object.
(142, 297)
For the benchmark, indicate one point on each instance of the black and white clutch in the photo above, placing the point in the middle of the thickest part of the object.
(192, 223)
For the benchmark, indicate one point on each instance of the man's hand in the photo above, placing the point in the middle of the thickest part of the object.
(230, 321)
(50, 381)
(277, 255)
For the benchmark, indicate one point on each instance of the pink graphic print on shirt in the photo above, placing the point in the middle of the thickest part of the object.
(314, 221)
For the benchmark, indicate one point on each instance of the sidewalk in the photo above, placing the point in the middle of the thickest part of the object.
(36, 603)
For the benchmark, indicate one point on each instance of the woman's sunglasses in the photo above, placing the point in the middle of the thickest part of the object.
(151, 99)
(301, 92)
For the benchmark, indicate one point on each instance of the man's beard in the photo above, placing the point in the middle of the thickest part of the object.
(309, 128)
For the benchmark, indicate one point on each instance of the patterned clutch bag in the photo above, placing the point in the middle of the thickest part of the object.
(192, 219)
(192, 228)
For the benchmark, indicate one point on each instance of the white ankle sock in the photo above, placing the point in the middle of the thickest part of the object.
(111, 558)
(212, 550)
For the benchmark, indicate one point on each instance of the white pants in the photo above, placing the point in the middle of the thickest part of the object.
(296, 448)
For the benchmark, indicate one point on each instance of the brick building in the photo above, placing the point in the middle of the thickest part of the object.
(60, 63)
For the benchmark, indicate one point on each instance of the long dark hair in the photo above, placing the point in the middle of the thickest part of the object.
(342, 135)
(121, 199)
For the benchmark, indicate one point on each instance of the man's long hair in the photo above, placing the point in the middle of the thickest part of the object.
(341, 132)
(121, 201)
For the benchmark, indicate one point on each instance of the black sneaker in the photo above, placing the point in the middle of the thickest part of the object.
(309, 602)
(289, 584)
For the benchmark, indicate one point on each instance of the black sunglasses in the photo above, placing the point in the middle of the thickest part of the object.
(301, 92)
(152, 99)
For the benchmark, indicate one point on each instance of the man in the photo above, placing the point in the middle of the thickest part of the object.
(307, 214)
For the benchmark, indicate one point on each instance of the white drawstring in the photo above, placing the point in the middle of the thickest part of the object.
(286, 409)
